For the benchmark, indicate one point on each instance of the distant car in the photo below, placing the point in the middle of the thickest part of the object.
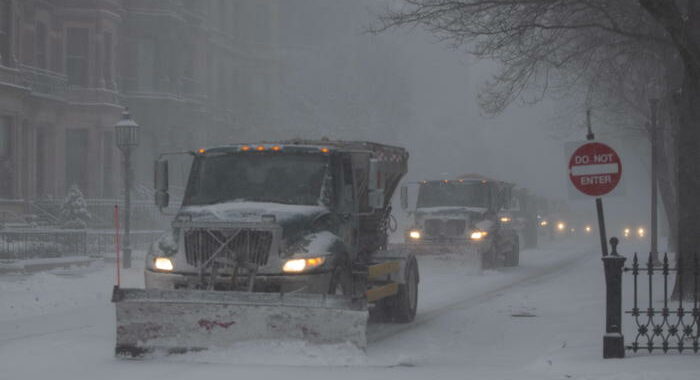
(629, 232)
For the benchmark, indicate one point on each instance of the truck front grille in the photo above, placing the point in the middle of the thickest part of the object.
(252, 246)
(450, 228)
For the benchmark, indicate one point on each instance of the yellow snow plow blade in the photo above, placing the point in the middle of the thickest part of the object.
(175, 321)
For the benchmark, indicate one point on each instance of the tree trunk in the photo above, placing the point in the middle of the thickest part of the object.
(688, 179)
(667, 164)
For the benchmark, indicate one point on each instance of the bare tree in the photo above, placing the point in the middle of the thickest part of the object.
(544, 46)
(681, 21)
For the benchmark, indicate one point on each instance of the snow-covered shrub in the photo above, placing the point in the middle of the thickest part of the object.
(74, 212)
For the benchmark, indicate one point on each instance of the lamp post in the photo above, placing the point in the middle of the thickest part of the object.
(127, 138)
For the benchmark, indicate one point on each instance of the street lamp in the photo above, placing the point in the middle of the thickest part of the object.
(127, 138)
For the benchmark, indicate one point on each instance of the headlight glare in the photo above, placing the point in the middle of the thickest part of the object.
(478, 235)
(300, 265)
(163, 264)
(414, 234)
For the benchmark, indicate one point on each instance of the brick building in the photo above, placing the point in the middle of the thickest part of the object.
(192, 72)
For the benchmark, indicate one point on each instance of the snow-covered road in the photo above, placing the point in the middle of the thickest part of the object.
(542, 320)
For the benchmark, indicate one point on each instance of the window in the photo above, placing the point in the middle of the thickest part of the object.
(7, 172)
(107, 165)
(76, 158)
(5, 136)
(262, 23)
(5, 32)
(40, 46)
(145, 74)
(223, 15)
(77, 46)
(107, 58)
(222, 88)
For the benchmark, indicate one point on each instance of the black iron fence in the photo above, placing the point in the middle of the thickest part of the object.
(673, 325)
(30, 244)
(662, 321)
(144, 214)
(47, 243)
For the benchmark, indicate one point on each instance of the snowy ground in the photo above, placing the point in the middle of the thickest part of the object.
(542, 320)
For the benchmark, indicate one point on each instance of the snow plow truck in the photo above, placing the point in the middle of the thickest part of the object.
(272, 241)
(468, 217)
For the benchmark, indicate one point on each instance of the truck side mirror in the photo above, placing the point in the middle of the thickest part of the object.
(404, 197)
(376, 177)
(161, 183)
(375, 184)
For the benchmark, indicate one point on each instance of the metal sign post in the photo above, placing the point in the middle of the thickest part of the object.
(595, 169)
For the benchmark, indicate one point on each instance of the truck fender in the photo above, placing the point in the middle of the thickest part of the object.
(402, 256)
(322, 243)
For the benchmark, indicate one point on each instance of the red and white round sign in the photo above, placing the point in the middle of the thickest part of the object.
(595, 169)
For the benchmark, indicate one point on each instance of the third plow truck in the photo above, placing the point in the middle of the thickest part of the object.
(273, 241)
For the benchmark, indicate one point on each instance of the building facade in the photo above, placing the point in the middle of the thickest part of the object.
(191, 72)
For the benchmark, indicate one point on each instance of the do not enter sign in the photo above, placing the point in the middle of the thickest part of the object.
(595, 169)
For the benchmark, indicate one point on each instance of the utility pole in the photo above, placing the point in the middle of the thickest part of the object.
(654, 252)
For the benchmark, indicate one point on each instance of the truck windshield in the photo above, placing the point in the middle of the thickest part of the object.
(256, 177)
(440, 194)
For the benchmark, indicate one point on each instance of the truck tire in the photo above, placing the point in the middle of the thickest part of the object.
(513, 258)
(405, 303)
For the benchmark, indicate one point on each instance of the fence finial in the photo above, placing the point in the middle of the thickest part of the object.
(613, 243)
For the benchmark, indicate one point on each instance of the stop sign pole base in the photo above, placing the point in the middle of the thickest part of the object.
(601, 226)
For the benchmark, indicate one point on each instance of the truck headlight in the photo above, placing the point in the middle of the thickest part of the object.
(641, 232)
(300, 265)
(506, 219)
(163, 264)
(414, 234)
(478, 235)
(561, 226)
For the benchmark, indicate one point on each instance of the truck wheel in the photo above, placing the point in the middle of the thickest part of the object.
(341, 281)
(405, 302)
(489, 259)
(513, 258)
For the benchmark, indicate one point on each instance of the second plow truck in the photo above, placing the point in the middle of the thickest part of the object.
(273, 241)
(467, 216)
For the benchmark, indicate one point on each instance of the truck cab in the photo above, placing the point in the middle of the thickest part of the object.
(278, 217)
(468, 215)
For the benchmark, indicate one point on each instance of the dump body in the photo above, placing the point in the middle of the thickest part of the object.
(276, 241)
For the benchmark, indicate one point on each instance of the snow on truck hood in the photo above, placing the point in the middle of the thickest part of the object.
(251, 212)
